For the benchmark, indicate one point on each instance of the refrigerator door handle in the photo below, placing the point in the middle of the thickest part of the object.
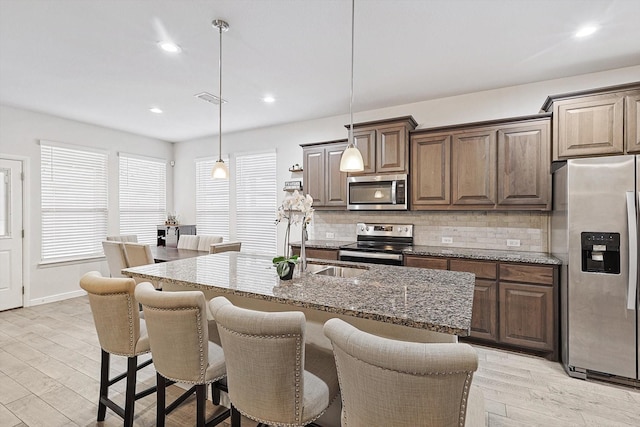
(633, 250)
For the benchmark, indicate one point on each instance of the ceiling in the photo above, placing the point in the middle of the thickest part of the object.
(97, 61)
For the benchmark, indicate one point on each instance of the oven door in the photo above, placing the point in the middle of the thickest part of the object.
(382, 192)
(370, 257)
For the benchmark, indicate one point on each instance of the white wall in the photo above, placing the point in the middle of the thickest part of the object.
(20, 131)
(492, 104)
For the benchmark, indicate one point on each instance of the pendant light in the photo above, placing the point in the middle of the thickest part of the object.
(351, 160)
(220, 170)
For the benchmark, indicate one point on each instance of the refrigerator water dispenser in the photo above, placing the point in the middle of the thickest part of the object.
(601, 252)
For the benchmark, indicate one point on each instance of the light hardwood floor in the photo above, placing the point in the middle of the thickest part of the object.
(50, 362)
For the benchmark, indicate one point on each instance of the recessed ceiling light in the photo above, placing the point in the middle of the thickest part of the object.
(170, 47)
(155, 110)
(269, 99)
(586, 31)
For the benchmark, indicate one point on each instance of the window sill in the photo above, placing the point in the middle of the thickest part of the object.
(72, 261)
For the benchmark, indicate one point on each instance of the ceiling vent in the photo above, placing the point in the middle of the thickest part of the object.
(206, 96)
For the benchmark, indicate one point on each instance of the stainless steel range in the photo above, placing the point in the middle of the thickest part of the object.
(379, 243)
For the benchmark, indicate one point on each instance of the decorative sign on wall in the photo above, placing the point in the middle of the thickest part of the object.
(292, 185)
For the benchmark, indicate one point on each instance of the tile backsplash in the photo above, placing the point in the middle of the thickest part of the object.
(485, 230)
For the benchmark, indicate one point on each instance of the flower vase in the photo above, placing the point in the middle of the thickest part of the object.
(303, 254)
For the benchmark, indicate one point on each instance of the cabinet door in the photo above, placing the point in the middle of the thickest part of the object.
(366, 143)
(430, 171)
(391, 149)
(313, 175)
(484, 317)
(473, 169)
(524, 175)
(336, 181)
(433, 263)
(632, 131)
(484, 314)
(588, 126)
(526, 315)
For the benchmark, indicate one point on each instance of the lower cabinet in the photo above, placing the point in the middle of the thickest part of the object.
(514, 305)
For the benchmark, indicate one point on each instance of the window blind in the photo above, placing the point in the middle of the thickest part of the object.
(73, 201)
(256, 202)
(212, 200)
(143, 196)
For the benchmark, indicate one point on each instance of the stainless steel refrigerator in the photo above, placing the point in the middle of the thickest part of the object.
(594, 230)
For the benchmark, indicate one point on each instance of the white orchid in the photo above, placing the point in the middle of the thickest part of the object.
(296, 208)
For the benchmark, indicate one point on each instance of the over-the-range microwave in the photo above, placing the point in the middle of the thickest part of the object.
(379, 192)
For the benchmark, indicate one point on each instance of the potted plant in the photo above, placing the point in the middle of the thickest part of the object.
(295, 209)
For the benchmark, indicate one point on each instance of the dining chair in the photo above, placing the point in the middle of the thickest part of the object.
(205, 240)
(387, 382)
(120, 332)
(188, 241)
(124, 238)
(273, 376)
(225, 247)
(182, 352)
(116, 259)
(138, 254)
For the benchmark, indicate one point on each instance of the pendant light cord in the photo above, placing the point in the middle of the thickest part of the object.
(353, 7)
(220, 99)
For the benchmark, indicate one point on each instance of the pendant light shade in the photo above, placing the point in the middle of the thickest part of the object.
(351, 160)
(220, 170)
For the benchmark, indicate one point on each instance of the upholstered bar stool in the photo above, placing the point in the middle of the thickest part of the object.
(272, 376)
(385, 382)
(178, 334)
(120, 332)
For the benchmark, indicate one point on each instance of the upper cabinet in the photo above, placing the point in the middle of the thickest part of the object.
(384, 144)
(496, 165)
(596, 122)
(322, 178)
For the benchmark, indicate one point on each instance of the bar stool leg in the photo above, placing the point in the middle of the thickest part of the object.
(235, 417)
(161, 400)
(201, 397)
(104, 385)
(130, 397)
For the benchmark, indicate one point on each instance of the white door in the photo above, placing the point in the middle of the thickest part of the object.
(10, 234)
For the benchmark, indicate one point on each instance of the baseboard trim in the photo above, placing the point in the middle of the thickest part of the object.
(57, 297)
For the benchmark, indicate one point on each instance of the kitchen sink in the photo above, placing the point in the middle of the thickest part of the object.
(335, 271)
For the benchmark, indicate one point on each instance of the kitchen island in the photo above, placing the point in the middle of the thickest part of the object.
(417, 299)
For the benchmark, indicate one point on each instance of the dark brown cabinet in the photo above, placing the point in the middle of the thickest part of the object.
(384, 144)
(524, 174)
(322, 177)
(497, 165)
(473, 168)
(515, 305)
(320, 253)
(597, 122)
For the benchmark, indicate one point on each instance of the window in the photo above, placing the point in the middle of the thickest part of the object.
(143, 196)
(74, 201)
(256, 202)
(212, 200)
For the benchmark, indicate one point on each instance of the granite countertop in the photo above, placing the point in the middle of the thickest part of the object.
(452, 252)
(436, 300)
(484, 254)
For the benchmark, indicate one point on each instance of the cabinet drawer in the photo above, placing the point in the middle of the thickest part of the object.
(482, 270)
(527, 274)
(426, 262)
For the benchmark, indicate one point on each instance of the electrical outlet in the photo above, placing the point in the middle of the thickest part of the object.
(513, 242)
(447, 240)
(329, 235)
